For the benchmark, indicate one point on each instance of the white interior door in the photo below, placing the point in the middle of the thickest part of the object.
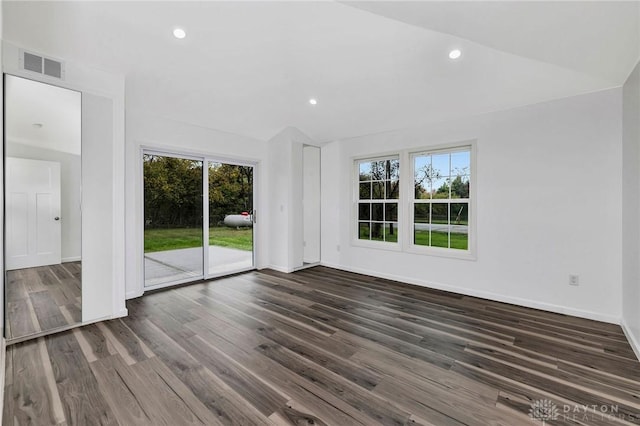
(33, 223)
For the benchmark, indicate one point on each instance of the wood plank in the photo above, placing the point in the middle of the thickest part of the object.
(93, 342)
(20, 319)
(363, 400)
(125, 342)
(128, 396)
(15, 288)
(30, 397)
(182, 405)
(334, 411)
(81, 396)
(253, 390)
(342, 367)
(212, 392)
(32, 280)
(38, 300)
(47, 311)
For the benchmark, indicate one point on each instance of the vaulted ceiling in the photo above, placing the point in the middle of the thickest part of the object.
(251, 67)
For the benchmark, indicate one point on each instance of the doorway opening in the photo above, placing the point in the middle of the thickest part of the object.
(198, 218)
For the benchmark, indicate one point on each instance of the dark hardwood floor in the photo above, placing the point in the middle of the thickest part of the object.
(42, 299)
(321, 346)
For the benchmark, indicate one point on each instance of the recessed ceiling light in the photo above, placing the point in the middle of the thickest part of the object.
(179, 33)
(313, 101)
(455, 54)
(37, 125)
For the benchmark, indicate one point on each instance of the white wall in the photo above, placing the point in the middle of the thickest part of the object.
(97, 227)
(631, 208)
(280, 188)
(103, 287)
(167, 135)
(549, 203)
(70, 178)
(286, 248)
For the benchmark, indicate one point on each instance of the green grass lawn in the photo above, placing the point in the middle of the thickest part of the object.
(179, 238)
(439, 239)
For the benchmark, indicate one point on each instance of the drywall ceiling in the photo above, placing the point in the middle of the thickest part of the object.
(251, 67)
(42, 115)
(597, 37)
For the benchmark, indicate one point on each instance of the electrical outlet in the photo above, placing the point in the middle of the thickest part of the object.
(338, 247)
(574, 279)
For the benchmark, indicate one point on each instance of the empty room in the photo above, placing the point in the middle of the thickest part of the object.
(320, 213)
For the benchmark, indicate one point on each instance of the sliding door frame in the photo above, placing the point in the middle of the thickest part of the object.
(216, 159)
(206, 159)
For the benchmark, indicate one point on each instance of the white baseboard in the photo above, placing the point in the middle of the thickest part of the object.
(279, 268)
(633, 341)
(123, 313)
(71, 259)
(485, 295)
(133, 294)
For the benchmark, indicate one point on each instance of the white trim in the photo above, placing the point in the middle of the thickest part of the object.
(121, 314)
(172, 151)
(71, 259)
(96, 82)
(356, 201)
(307, 266)
(164, 151)
(133, 294)
(635, 344)
(3, 362)
(279, 268)
(441, 252)
(254, 179)
(233, 272)
(453, 147)
(527, 303)
(406, 201)
(205, 218)
(139, 255)
(376, 244)
(174, 283)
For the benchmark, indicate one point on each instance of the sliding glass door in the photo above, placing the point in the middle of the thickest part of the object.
(181, 213)
(173, 236)
(230, 218)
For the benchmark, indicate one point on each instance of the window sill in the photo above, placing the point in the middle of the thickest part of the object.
(378, 245)
(442, 252)
(413, 249)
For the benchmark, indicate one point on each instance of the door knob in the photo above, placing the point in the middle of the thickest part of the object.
(56, 218)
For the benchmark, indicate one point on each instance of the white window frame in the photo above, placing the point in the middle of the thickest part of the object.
(410, 201)
(355, 228)
(406, 202)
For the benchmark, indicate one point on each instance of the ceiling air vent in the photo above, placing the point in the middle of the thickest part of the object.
(37, 63)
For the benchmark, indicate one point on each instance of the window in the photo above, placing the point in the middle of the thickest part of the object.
(378, 193)
(417, 201)
(441, 201)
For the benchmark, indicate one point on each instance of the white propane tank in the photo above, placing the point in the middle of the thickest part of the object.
(238, 220)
